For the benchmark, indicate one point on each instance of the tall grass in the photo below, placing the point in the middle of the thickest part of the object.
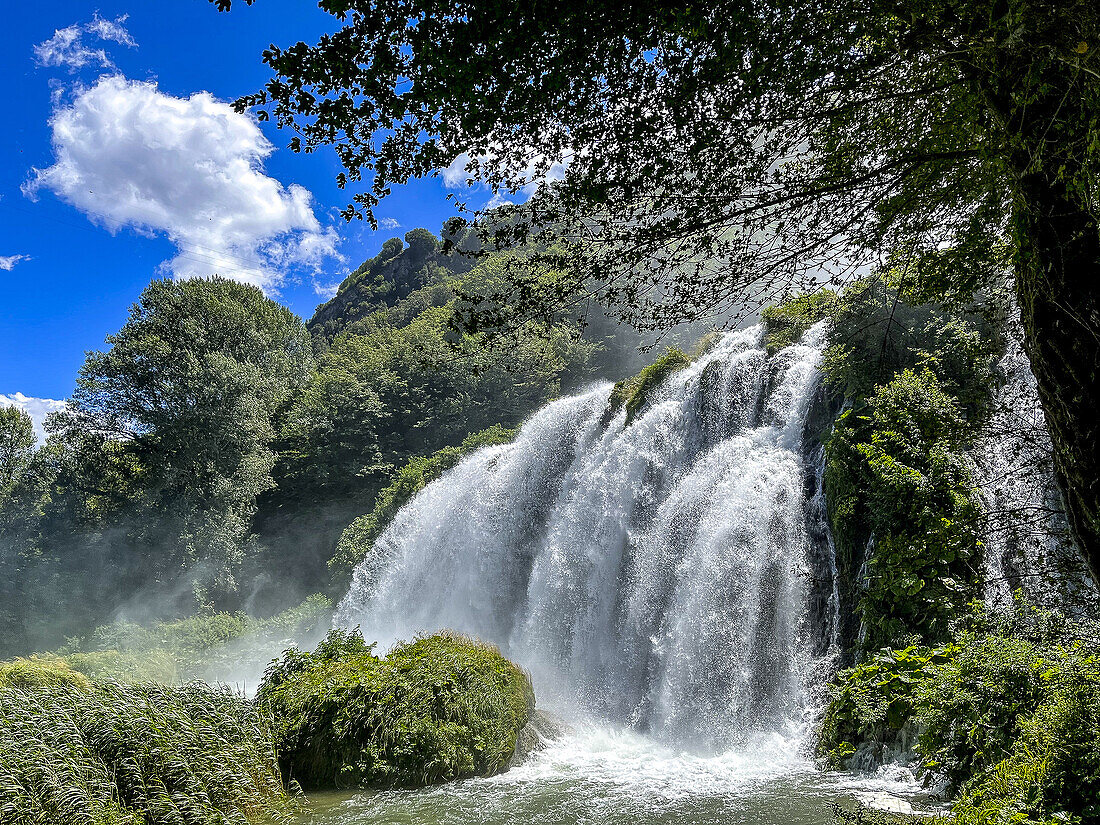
(91, 753)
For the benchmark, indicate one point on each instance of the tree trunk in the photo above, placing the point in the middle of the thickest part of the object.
(1058, 287)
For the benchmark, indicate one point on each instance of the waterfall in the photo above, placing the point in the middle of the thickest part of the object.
(653, 574)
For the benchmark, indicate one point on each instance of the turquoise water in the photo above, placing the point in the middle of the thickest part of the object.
(601, 776)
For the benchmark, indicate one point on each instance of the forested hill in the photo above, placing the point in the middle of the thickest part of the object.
(389, 277)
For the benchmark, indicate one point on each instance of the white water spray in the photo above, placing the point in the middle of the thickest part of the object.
(653, 574)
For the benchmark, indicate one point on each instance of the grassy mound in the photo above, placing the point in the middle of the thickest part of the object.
(443, 707)
(35, 673)
(76, 751)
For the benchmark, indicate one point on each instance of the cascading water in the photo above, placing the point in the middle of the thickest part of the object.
(652, 574)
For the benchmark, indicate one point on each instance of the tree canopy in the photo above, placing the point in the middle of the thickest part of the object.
(713, 153)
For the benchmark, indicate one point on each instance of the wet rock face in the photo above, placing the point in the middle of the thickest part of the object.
(1057, 267)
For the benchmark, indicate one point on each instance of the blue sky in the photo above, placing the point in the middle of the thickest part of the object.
(115, 168)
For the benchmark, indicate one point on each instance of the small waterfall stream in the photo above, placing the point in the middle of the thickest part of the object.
(653, 575)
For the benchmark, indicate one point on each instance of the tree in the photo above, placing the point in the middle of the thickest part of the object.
(171, 427)
(16, 444)
(718, 151)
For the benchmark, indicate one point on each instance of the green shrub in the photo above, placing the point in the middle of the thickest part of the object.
(1052, 772)
(37, 672)
(875, 334)
(896, 471)
(874, 701)
(635, 393)
(1008, 715)
(440, 708)
(109, 754)
(358, 537)
(971, 708)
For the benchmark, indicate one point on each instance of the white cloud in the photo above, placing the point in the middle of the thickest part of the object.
(128, 155)
(8, 262)
(326, 291)
(388, 223)
(36, 408)
(68, 48)
(112, 30)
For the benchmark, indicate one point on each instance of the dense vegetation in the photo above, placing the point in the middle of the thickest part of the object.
(912, 381)
(103, 753)
(1006, 712)
(215, 452)
(1001, 710)
(440, 708)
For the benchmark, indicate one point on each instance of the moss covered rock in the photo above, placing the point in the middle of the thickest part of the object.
(635, 393)
(443, 707)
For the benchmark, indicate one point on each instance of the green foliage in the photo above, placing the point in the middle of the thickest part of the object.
(970, 711)
(108, 754)
(358, 537)
(1008, 714)
(147, 487)
(895, 472)
(211, 646)
(17, 442)
(876, 333)
(1052, 772)
(634, 394)
(440, 708)
(873, 701)
(399, 382)
(32, 673)
(391, 277)
(785, 323)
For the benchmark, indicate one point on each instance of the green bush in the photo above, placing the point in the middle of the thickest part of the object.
(875, 334)
(874, 701)
(1052, 772)
(440, 708)
(108, 754)
(36, 672)
(358, 537)
(971, 708)
(1008, 715)
(896, 471)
